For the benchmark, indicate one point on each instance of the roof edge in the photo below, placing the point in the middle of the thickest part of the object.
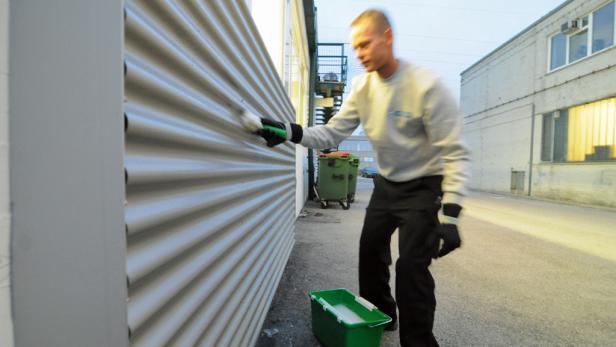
(534, 24)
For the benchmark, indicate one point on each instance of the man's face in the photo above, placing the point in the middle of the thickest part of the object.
(372, 47)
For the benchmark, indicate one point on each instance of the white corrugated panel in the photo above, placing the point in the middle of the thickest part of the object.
(209, 208)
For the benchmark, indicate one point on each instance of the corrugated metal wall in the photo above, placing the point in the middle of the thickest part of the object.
(209, 208)
(6, 317)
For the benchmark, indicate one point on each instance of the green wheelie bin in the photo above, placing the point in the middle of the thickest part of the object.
(333, 184)
(353, 168)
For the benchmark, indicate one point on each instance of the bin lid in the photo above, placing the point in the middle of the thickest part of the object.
(335, 154)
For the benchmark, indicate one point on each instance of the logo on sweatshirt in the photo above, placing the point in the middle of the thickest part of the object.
(400, 114)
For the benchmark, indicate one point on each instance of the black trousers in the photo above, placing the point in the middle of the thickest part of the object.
(412, 208)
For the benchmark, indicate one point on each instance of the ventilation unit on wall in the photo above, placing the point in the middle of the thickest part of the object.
(573, 26)
(570, 27)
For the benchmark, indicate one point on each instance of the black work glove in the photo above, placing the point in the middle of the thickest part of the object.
(447, 231)
(275, 138)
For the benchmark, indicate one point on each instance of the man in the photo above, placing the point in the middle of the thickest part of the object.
(414, 126)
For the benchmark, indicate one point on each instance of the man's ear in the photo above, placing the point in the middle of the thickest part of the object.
(389, 36)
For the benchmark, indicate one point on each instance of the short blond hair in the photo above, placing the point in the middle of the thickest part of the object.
(376, 17)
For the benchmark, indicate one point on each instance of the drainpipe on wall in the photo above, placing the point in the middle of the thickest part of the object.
(532, 149)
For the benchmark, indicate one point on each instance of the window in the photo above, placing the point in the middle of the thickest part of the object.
(592, 131)
(554, 136)
(561, 125)
(559, 51)
(578, 46)
(581, 133)
(547, 136)
(596, 33)
(346, 146)
(365, 146)
(603, 27)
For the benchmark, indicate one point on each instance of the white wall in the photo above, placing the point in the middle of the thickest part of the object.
(6, 326)
(301, 62)
(279, 22)
(500, 143)
(586, 183)
(581, 86)
(506, 75)
(497, 128)
(269, 18)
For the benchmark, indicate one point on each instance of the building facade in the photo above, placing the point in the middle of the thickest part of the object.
(360, 146)
(540, 110)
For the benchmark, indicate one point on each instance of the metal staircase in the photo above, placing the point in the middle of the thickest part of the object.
(331, 80)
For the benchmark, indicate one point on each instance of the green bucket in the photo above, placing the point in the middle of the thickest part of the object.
(342, 319)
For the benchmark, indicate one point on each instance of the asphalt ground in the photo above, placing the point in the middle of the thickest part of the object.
(529, 273)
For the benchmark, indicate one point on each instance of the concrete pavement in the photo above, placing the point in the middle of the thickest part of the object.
(530, 273)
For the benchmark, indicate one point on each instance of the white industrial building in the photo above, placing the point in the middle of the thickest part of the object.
(540, 110)
(360, 146)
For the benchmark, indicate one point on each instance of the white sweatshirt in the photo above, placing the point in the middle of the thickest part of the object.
(412, 122)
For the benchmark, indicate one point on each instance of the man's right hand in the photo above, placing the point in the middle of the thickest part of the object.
(447, 231)
(273, 138)
(449, 239)
(294, 132)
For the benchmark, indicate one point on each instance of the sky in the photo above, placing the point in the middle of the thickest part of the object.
(447, 36)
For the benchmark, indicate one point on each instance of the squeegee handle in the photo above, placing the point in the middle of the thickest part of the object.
(277, 131)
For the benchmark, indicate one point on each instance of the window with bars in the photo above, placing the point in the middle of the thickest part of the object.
(581, 133)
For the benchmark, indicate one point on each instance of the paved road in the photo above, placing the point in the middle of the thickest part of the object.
(530, 273)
